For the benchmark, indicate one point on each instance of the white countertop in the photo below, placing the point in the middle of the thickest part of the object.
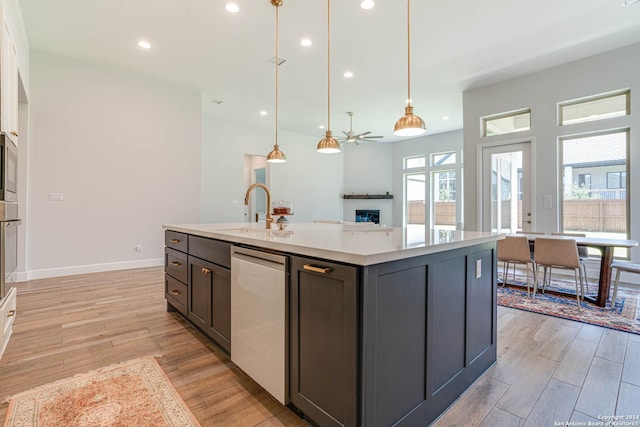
(358, 244)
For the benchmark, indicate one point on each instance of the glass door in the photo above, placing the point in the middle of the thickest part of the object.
(506, 188)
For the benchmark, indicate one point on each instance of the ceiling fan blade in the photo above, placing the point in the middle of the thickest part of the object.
(356, 141)
(363, 134)
(377, 136)
(345, 134)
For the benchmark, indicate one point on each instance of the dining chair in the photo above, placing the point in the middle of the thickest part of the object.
(560, 254)
(621, 266)
(583, 254)
(515, 250)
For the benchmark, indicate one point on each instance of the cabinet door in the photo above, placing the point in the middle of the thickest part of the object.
(219, 328)
(324, 340)
(9, 86)
(200, 279)
(210, 300)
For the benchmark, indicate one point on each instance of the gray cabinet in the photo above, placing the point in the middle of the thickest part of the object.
(198, 283)
(324, 341)
(210, 300)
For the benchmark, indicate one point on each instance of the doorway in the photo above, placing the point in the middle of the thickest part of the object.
(256, 171)
(506, 188)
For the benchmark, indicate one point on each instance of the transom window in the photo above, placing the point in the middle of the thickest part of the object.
(594, 108)
(414, 162)
(517, 121)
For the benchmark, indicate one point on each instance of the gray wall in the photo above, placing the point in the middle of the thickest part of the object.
(125, 152)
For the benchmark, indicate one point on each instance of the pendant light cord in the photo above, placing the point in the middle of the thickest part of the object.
(328, 65)
(409, 52)
(277, 66)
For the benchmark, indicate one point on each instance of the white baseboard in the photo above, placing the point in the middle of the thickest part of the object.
(90, 268)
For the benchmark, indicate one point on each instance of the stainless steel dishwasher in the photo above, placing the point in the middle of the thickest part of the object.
(258, 317)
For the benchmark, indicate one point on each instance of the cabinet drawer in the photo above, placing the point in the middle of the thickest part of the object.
(215, 251)
(176, 293)
(175, 240)
(175, 264)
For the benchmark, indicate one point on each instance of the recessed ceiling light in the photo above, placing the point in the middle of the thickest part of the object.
(306, 42)
(348, 74)
(367, 4)
(321, 127)
(143, 44)
(445, 117)
(232, 7)
(629, 2)
(263, 113)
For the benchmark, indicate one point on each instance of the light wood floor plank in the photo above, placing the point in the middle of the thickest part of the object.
(613, 346)
(554, 405)
(629, 402)
(631, 367)
(575, 365)
(600, 390)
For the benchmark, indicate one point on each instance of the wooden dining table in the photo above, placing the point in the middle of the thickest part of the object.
(606, 247)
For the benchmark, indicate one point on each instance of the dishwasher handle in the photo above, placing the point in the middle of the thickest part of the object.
(266, 259)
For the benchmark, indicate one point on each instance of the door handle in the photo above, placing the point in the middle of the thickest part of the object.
(315, 269)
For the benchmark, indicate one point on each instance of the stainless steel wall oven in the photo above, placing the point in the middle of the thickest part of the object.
(8, 214)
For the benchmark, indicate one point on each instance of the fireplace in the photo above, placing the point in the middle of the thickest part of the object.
(368, 215)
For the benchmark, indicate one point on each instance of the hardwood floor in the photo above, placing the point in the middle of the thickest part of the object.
(548, 369)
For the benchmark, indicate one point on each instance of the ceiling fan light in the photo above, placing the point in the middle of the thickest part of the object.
(409, 124)
(328, 144)
(276, 156)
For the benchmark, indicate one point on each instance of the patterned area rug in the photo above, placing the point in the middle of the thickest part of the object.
(135, 393)
(625, 315)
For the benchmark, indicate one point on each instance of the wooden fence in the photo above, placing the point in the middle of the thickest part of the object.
(596, 215)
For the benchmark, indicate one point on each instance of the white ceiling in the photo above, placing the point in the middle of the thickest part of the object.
(456, 45)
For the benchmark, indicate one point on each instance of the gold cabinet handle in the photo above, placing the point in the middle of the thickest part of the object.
(315, 269)
(174, 292)
(14, 133)
(205, 270)
(176, 264)
(175, 240)
(11, 313)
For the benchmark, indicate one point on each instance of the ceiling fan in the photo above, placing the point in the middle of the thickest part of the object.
(351, 136)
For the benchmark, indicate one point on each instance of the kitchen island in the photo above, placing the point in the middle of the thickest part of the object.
(385, 327)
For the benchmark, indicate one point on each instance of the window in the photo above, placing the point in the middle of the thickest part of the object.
(595, 108)
(445, 190)
(414, 162)
(584, 180)
(518, 121)
(595, 200)
(443, 159)
(616, 180)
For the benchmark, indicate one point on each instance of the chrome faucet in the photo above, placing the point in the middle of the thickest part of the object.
(268, 218)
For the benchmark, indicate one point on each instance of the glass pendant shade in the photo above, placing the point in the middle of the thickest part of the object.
(409, 124)
(328, 144)
(276, 156)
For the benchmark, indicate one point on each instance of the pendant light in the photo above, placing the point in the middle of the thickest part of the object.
(409, 124)
(276, 156)
(328, 144)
